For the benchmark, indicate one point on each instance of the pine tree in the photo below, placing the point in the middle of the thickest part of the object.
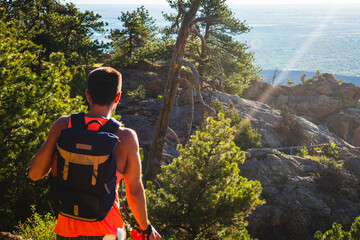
(128, 42)
(29, 104)
(202, 195)
(58, 27)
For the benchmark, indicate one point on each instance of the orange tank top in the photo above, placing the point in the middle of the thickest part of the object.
(68, 227)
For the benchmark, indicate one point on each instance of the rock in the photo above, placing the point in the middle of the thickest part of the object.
(153, 82)
(265, 119)
(317, 99)
(356, 139)
(152, 77)
(9, 236)
(142, 117)
(299, 198)
(322, 100)
(346, 124)
(322, 86)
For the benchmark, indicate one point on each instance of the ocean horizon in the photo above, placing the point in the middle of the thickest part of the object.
(295, 39)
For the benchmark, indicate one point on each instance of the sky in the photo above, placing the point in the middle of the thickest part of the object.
(229, 2)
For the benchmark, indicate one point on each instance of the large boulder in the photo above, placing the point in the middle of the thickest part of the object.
(346, 124)
(302, 195)
(152, 81)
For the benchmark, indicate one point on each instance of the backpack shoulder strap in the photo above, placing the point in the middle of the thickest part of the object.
(78, 120)
(112, 125)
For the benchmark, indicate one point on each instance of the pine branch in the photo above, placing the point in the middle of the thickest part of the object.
(205, 19)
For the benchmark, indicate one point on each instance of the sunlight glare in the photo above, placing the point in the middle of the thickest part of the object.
(300, 53)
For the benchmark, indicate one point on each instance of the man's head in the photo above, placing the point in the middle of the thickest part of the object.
(103, 85)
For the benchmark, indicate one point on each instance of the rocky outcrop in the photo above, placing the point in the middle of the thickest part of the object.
(302, 195)
(143, 116)
(265, 119)
(318, 98)
(323, 100)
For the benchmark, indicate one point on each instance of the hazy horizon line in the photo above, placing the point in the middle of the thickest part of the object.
(227, 4)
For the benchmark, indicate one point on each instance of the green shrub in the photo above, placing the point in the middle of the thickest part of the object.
(332, 150)
(328, 155)
(78, 84)
(302, 152)
(337, 233)
(202, 195)
(291, 131)
(37, 227)
(137, 94)
(245, 136)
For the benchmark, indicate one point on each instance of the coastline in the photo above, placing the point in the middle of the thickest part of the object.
(295, 76)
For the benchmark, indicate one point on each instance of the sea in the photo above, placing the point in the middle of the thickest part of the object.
(293, 39)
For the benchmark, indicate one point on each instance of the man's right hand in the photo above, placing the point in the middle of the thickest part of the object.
(154, 234)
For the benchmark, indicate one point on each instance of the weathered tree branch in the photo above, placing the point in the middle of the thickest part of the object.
(194, 56)
(165, 155)
(173, 133)
(196, 76)
(204, 47)
(181, 8)
(205, 51)
(191, 117)
(176, 23)
(220, 69)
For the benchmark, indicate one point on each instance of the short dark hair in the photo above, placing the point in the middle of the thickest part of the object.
(103, 85)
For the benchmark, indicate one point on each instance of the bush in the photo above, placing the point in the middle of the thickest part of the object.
(202, 195)
(37, 227)
(137, 94)
(78, 84)
(327, 156)
(291, 131)
(337, 233)
(245, 136)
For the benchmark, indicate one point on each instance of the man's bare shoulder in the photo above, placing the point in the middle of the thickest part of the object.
(127, 135)
(61, 123)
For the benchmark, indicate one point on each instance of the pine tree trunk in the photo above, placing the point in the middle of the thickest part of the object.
(155, 155)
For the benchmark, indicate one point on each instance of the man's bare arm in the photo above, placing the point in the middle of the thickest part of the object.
(127, 152)
(40, 165)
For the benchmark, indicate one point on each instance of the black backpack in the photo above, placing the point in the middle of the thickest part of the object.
(86, 169)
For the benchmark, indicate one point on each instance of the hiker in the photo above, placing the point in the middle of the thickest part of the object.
(103, 94)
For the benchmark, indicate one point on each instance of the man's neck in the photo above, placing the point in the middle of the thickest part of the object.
(100, 111)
